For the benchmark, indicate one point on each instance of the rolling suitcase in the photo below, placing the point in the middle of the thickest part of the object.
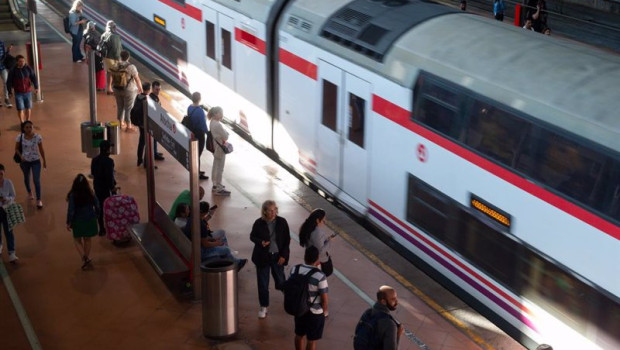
(119, 212)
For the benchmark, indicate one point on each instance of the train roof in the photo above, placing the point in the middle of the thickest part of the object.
(569, 85)
(255, 9)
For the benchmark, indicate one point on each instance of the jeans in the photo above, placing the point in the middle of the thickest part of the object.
(262, 278)
(23, 100)
(10, 239)
(217, 252)
(35, 167)
(142, 144)
(76, 39)
(5, 75)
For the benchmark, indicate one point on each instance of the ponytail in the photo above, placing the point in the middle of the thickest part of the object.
(309, 226)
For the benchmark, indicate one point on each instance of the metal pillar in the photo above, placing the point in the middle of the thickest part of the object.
(92, 86)
(195, 217)
(32, 11)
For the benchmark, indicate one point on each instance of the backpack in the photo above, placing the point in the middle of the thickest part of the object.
(119, 75)
(137, 111)
(296, 292)
(66, 24)
(210, 143)
(366, 331)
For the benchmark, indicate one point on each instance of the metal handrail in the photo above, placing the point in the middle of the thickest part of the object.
(20, 20)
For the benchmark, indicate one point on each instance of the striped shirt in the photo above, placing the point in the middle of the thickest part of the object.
(317, 285)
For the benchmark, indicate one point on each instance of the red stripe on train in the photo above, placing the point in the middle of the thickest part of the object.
(401, 117)
(189, 10)
(299, 64)
(250, 40)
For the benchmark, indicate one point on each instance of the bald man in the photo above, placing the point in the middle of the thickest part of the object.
(387, 332)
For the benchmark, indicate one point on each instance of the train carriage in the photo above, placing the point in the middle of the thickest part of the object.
(491, 154)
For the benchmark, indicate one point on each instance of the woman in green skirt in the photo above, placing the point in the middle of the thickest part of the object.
(82, 217)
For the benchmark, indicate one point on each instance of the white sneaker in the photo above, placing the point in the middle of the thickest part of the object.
(262, 313)
(222, 192)
(12, 257)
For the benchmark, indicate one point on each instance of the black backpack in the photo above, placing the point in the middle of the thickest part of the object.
(296, 292)
(66, 24)
(137, 111)
(366, 331)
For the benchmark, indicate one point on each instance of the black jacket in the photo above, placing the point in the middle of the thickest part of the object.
(260, 232)
(102, 169)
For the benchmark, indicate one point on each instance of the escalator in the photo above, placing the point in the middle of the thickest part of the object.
(13, 16)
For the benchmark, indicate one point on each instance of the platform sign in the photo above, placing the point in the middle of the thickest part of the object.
(171, 134)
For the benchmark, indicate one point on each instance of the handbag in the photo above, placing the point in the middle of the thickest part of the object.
(16, 157)
(327, 267)
(227, 148)
(14, 214)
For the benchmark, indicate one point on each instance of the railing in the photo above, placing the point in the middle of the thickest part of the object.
(20, 19)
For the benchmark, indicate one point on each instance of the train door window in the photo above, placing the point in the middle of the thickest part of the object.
(210, 28)
(437, 106)
(488, 248)
(562, 164)
(330, 105)
(357, 111)
(495, 132)
(226, 49)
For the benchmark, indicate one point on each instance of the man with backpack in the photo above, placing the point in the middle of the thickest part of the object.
(21, 79)
(110, 47)
(309, 308)
(126, 84)
(377, 329)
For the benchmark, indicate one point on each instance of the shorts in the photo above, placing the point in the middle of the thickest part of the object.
(310, 325)
(23, 100)
(108, 62)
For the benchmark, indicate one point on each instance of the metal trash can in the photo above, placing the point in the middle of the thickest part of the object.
(85, 138)
(114, 137)
(220, 317)
(94, 135)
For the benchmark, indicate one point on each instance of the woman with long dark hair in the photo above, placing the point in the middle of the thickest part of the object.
(82, 216)
(312, 234)
(29, 146)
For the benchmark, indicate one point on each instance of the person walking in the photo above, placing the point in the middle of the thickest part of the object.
(498, 10)
(312, 234)
(21, 79)
(82, 217)
(387, 331)
(110, 48)
(91, 40)
(102, 169)
(220, 137)
(309, 326)
(271, 237)
(75, 29)
(126, 85)
(4, 71)
(7, 196)
(29, 147)
(198, 126)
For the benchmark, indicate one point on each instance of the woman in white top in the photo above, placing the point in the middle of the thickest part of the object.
(312, 234)
(220, 136)
(7, 196)
(29, 146)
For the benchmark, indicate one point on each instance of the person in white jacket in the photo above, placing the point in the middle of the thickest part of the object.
(220, 137)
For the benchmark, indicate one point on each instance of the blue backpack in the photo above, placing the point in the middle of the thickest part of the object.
(366, 337)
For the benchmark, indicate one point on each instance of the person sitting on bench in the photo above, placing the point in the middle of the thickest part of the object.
(212, 244)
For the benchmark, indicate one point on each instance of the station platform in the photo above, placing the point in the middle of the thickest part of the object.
(123, 304)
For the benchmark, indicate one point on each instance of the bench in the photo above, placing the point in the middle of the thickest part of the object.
(166, 247)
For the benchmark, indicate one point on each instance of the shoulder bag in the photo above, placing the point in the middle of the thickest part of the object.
(16, 157)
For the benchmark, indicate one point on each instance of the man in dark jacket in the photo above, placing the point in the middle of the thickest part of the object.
(271, 237)
(387, 332)
(102, 169)
(21, 79)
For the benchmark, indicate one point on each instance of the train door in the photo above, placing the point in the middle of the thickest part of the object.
(341, 137)
(218, 58)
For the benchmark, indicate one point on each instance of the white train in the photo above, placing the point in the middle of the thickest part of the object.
(490, 153)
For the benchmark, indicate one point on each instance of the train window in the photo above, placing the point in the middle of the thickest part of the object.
(330, 105)
(562, 164)
(210, 28)
(608, 322)
(429, 209)
(357, 112)
(487, 247)
(436, 107)
(226, 49)
(495, 132)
